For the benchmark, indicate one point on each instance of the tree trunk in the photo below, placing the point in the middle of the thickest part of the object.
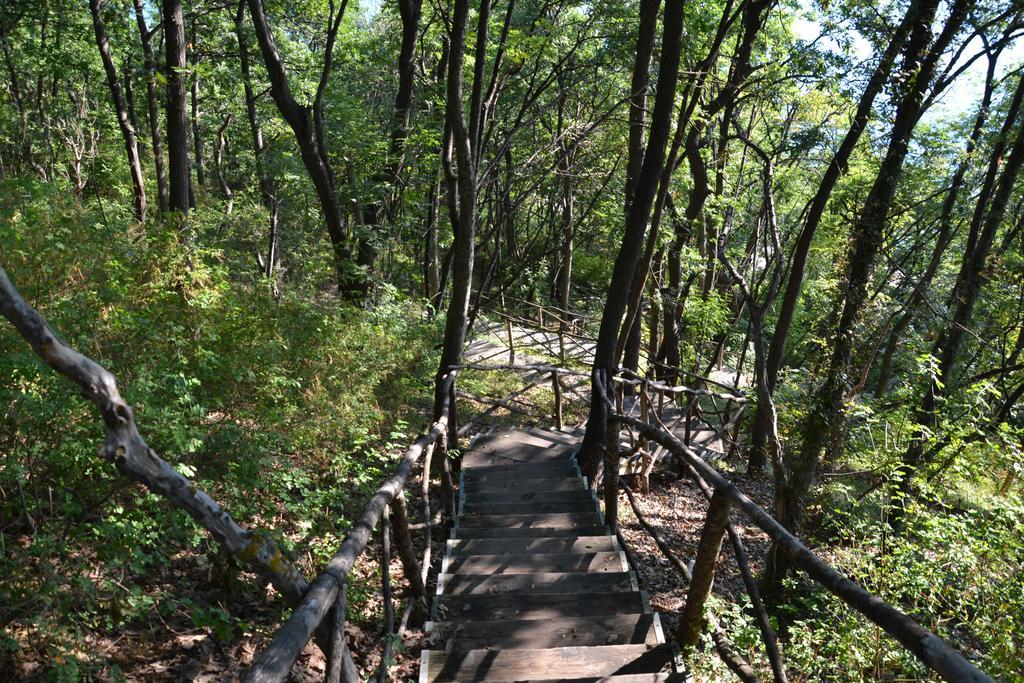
(308, 136)
(462, 249)
(121, 110)
(594, 441)
(218, 159)
(825, 421)
(816, 210)
(197, 132)
(152, 107)
(179, 176)
(268, 192)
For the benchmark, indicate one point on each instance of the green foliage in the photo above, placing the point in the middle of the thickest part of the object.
(288, 411)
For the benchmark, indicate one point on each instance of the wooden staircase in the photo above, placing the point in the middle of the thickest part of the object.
(532, 586)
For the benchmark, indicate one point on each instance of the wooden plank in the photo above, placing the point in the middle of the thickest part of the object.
(555, 663)
(620, 629)
(591, 529)
(531, 606)
(626, 678)
(571, 496)
(539, 582)
(485, 507)
(521, 445)
(503, 546)
(522, 485)
(530, 564)
(558, 520)
(551, 468)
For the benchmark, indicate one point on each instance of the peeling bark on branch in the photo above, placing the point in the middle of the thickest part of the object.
(133, 457)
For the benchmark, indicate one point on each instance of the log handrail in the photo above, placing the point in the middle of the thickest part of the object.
(125, 447)
(275, 661)
(623, 376)
(928, 647)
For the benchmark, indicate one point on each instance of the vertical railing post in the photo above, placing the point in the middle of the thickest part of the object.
(407, 553)
(710, 545)
(688, 434)
(385, 589)
(453, 418)
(611, 465)
(447, 486)
(448, 438)
(556, 386)
(340, 667)
(427, 516)
(511, 342)
(645, 411)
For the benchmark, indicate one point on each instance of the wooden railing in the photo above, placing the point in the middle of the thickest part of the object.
(322, 610)
(723, 495)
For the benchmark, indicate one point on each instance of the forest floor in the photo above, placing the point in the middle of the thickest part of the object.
(676, 508)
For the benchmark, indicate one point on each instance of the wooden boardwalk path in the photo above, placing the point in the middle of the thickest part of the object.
(532, 586)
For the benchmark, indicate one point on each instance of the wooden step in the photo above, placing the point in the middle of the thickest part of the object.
(476, 459)
(521, 444)
(620, 629)
(573, 496)
(538, 582)
(627, 678)
(455, 608)
(553, 468)
(485, 507)
(555, 663)
(504, 546)
(539, 485)
(614, 561)
(557, 520)
(591, 529)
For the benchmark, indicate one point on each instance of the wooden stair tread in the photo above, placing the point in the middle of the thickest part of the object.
(556, 663)
(556, 544)
(538, 582)
(466, 533)
(609, 561)
(511, 486)
(528, 606)
(531, 496)
(558, 520)
(528, 507)
(552, 468)
(621, 629)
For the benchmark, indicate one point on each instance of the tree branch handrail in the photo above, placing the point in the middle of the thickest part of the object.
(928, 647)
(125, 447)
(624, 376)
(275, 661)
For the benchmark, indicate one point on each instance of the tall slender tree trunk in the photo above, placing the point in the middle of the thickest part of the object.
(179, 175)
(303, 120)
(463, 247)
(595, 439)
(268, 192)
(131, 145)
(971, 276)
(825, 421)
(816, 210)
(197, 131)
(152, 106)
